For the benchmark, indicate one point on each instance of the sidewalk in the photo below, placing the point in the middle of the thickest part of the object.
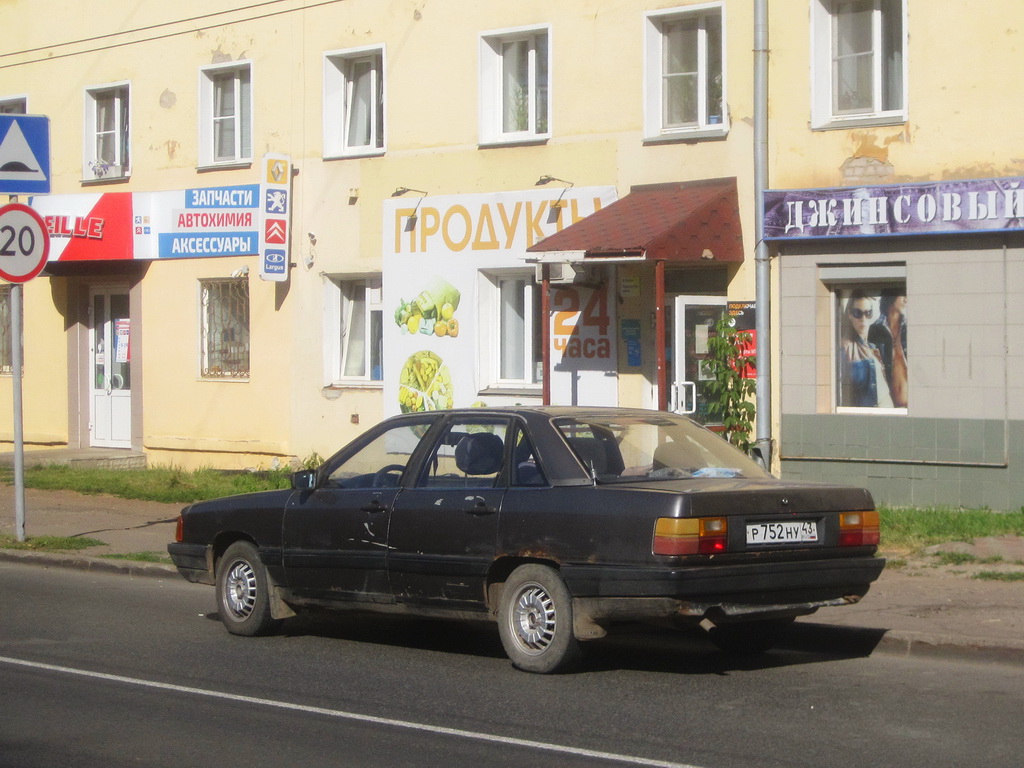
(917, 609)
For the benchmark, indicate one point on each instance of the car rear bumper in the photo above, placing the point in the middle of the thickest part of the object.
(193, 561)
(753, 583)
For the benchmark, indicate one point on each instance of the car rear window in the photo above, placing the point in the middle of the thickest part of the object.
(655, 447)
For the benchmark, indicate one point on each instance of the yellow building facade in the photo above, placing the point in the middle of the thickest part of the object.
(447, 162)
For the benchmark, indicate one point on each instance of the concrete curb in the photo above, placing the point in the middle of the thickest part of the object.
(85, 563)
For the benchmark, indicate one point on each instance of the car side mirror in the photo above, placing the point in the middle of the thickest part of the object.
(304, 480)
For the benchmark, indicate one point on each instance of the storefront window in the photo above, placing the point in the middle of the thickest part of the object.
(871, 348)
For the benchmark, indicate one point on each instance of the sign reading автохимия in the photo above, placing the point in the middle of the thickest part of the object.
(212, 221)
(930, 208)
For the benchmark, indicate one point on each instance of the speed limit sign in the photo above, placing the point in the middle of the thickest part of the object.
(24, 243)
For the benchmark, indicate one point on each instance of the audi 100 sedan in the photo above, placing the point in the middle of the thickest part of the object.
(557, 523)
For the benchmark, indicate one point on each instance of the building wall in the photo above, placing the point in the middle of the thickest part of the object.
(958, 442)
(284, 412)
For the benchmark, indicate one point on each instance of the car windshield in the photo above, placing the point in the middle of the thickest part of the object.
(656, 447)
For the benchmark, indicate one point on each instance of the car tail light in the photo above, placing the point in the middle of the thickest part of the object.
(179, 532)
(858, 529)
(691, 535)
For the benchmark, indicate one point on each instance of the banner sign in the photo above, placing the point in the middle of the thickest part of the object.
(442, 259)
(178, 224)
(931, 208)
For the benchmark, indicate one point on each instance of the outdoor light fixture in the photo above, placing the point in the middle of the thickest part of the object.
(410, 223)
(557, 205)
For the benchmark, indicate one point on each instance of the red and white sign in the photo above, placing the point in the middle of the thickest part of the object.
(24, 243)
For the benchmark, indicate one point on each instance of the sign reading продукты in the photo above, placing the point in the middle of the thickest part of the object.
(24, 155)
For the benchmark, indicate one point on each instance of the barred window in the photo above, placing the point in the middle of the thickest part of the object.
(225, 328)
(6, 364)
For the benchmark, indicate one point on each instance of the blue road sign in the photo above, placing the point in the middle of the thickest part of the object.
(24, 154)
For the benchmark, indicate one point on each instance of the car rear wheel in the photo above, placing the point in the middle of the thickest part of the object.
(748, 638)
(243, 595)
(535, 621)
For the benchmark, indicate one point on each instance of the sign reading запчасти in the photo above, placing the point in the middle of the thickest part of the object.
(942, 207)
(214, 221)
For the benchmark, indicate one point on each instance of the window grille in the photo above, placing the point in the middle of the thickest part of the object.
(225, 328)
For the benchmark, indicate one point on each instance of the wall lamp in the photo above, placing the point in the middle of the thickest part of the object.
(556, 206)
(410, 223)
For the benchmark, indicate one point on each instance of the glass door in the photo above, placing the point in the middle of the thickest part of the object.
(110, 365)
(694, 320)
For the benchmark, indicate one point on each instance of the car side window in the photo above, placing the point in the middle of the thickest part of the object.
(381, 462)
(470, 454)
(526, 469)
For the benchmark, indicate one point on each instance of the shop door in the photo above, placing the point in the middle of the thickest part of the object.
(110, 416)
(694, 323)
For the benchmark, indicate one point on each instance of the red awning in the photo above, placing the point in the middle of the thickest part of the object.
(691, 221)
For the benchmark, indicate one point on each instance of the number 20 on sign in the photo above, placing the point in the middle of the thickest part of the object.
(24, 243)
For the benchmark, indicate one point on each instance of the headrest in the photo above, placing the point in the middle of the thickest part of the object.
(480, 453)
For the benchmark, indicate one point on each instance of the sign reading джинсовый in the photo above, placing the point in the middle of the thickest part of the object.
(930, 208)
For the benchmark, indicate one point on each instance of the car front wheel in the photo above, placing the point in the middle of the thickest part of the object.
(535, 621)
(243, 598)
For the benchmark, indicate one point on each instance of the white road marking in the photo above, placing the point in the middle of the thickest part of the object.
(354, 716)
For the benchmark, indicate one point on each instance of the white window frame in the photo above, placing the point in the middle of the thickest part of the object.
(206, 364)
(338, 344)
(706, 125)
(14, 105)
(242, 117)
(824, 114)
(338, 99)
(93, 166)
(491, 341)
(492, 100)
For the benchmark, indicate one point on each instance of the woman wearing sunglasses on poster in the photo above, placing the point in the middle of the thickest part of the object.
(864, 383)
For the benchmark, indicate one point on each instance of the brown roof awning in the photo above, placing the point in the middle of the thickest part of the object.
(688, 221)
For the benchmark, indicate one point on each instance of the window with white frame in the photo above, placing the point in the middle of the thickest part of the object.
(859, 69)
(514, 85)
(513, 349)
(225, 114)
(354, 330)
(14, 106)
(685, 72)
(6, 359)
(106, 138)
(224, 328)
(354, 102)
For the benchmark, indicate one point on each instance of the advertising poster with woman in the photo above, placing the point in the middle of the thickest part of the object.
(872, 346)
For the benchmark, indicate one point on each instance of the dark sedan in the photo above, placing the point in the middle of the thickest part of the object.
(556, 522)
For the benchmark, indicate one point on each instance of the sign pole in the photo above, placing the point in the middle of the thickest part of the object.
(19, 436)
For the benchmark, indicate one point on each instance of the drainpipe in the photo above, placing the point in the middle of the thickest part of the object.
(762, 260)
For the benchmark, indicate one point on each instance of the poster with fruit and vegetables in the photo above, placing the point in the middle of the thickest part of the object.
(439, 329)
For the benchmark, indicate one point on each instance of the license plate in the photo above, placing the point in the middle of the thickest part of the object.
(789, 532)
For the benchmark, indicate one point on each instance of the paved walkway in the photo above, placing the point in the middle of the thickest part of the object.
(916, 608)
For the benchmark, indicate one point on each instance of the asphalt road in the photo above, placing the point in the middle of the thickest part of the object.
(105, 670)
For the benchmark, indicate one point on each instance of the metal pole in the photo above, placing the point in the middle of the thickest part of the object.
(19, 438)
(762, 260)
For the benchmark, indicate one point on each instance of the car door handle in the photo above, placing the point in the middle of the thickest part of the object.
(481, 508)
(373, 506)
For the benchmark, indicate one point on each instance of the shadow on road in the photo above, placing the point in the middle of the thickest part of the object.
(643, 649)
